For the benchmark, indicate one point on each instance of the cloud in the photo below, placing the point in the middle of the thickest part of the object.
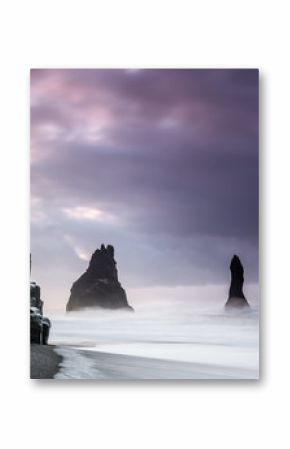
(88, 213)
(161, 163)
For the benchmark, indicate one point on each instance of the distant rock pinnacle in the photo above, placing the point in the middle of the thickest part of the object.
(99, 285)
(236, 295)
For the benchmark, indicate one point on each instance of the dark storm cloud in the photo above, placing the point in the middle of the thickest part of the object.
(173, 154)
(161, 191)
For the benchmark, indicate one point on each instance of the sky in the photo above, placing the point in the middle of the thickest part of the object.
(161, 163)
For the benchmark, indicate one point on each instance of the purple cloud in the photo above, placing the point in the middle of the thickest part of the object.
(162, 163)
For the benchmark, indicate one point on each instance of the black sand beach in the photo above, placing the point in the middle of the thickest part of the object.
(84, 364)
(44, 362)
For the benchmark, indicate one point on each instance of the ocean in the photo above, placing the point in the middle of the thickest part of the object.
(198, 336)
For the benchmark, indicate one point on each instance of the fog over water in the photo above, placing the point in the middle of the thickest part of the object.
(183, 330)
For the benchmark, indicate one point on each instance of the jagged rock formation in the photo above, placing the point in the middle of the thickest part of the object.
(99, 285)
(236, 295)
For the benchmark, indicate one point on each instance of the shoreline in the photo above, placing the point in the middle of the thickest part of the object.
(44, 361)
(85, 364)
(61, 362)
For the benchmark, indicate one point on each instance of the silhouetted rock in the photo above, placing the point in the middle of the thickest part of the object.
(236, 295)
(99, 285)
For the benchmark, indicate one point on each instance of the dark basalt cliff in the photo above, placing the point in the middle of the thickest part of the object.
(99, 285)
(236, 295)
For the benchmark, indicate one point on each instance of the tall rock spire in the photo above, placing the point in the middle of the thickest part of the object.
(236, 295)
(99, 285)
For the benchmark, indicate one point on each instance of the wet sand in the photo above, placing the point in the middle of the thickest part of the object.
(44, 361)
(84, 364)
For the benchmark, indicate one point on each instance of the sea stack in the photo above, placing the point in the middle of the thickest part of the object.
(236, 295)
(99, 285)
